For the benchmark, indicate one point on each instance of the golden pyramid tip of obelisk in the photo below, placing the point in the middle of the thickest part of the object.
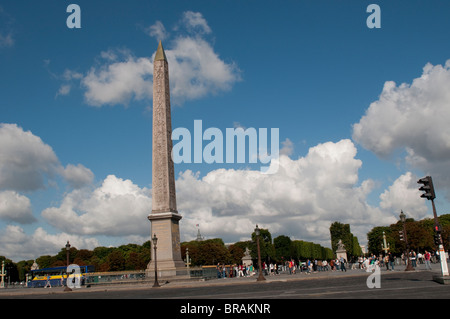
(160, 54)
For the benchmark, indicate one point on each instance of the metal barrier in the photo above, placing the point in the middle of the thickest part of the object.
(115, 277)
(203, 272)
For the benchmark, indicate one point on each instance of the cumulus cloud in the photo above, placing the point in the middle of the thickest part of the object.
(27, 164)
(196, 70)
(116, 208)
(118, 82)
(77, 176)
(25, 160)
(412, 118)
(15, 208)
(18, 245)
(403, 195)
(301, 200)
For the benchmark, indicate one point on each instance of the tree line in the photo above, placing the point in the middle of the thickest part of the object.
(278, 250)
(125, 257)
(205, 252)
(420, 236)
(213, 251)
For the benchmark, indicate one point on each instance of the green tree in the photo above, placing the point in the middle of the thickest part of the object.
(116, 260)
(236, 254)
(283, 248)
(266, 247)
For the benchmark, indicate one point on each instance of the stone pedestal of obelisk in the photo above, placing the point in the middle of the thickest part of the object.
(164, 217)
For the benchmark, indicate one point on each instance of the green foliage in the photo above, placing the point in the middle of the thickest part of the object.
(206, 252)
(283, 247)
(339, 231)
(419, 233)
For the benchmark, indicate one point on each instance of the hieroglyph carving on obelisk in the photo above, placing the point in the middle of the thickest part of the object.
(163, 179)
(164, 216)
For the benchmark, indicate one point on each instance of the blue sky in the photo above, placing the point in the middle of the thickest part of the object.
(347, 100)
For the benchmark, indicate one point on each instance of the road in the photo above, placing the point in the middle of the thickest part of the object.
(351, 285)
(244, 297)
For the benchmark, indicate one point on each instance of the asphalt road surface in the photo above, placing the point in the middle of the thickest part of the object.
(244, 298)
(352, 285)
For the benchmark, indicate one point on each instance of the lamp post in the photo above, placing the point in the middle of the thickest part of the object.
(67, 265)
(3, 274)
(385, 246)
(155, 241)
(188, 260)
(257, 233)
(409, 266)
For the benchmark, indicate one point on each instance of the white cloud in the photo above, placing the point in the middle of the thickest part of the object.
(195, 22)
(158, 31)
(119, 82)
(6, 40)
(413, 118)
(196, 70)
(77, 176)
(25, 160)
(63, 90)
(6, 31)
(116, 208)
(27, 163)
(15, 208)
(302, 199)
(403, 195)
(288, 147)
(18, 245)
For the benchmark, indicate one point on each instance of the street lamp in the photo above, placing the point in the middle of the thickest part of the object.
(67, 262)
(409, 266)
(257, 233)
(155, 241)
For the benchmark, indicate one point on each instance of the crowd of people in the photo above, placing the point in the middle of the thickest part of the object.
(272, 269)
(340, 264)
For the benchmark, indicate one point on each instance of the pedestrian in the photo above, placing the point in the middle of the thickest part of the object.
(219, 272)
(391, 261)
(427, 258)
(48, 283)
(241, 272)
(343, 264)
(308, 266)
(413, 258)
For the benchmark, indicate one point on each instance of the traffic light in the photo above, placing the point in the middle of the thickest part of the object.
(402, 238)
(437, 239)
(427, 188)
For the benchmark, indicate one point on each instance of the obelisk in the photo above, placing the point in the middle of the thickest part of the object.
(164, 216)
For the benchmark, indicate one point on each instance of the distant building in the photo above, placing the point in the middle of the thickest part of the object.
(199, 236)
